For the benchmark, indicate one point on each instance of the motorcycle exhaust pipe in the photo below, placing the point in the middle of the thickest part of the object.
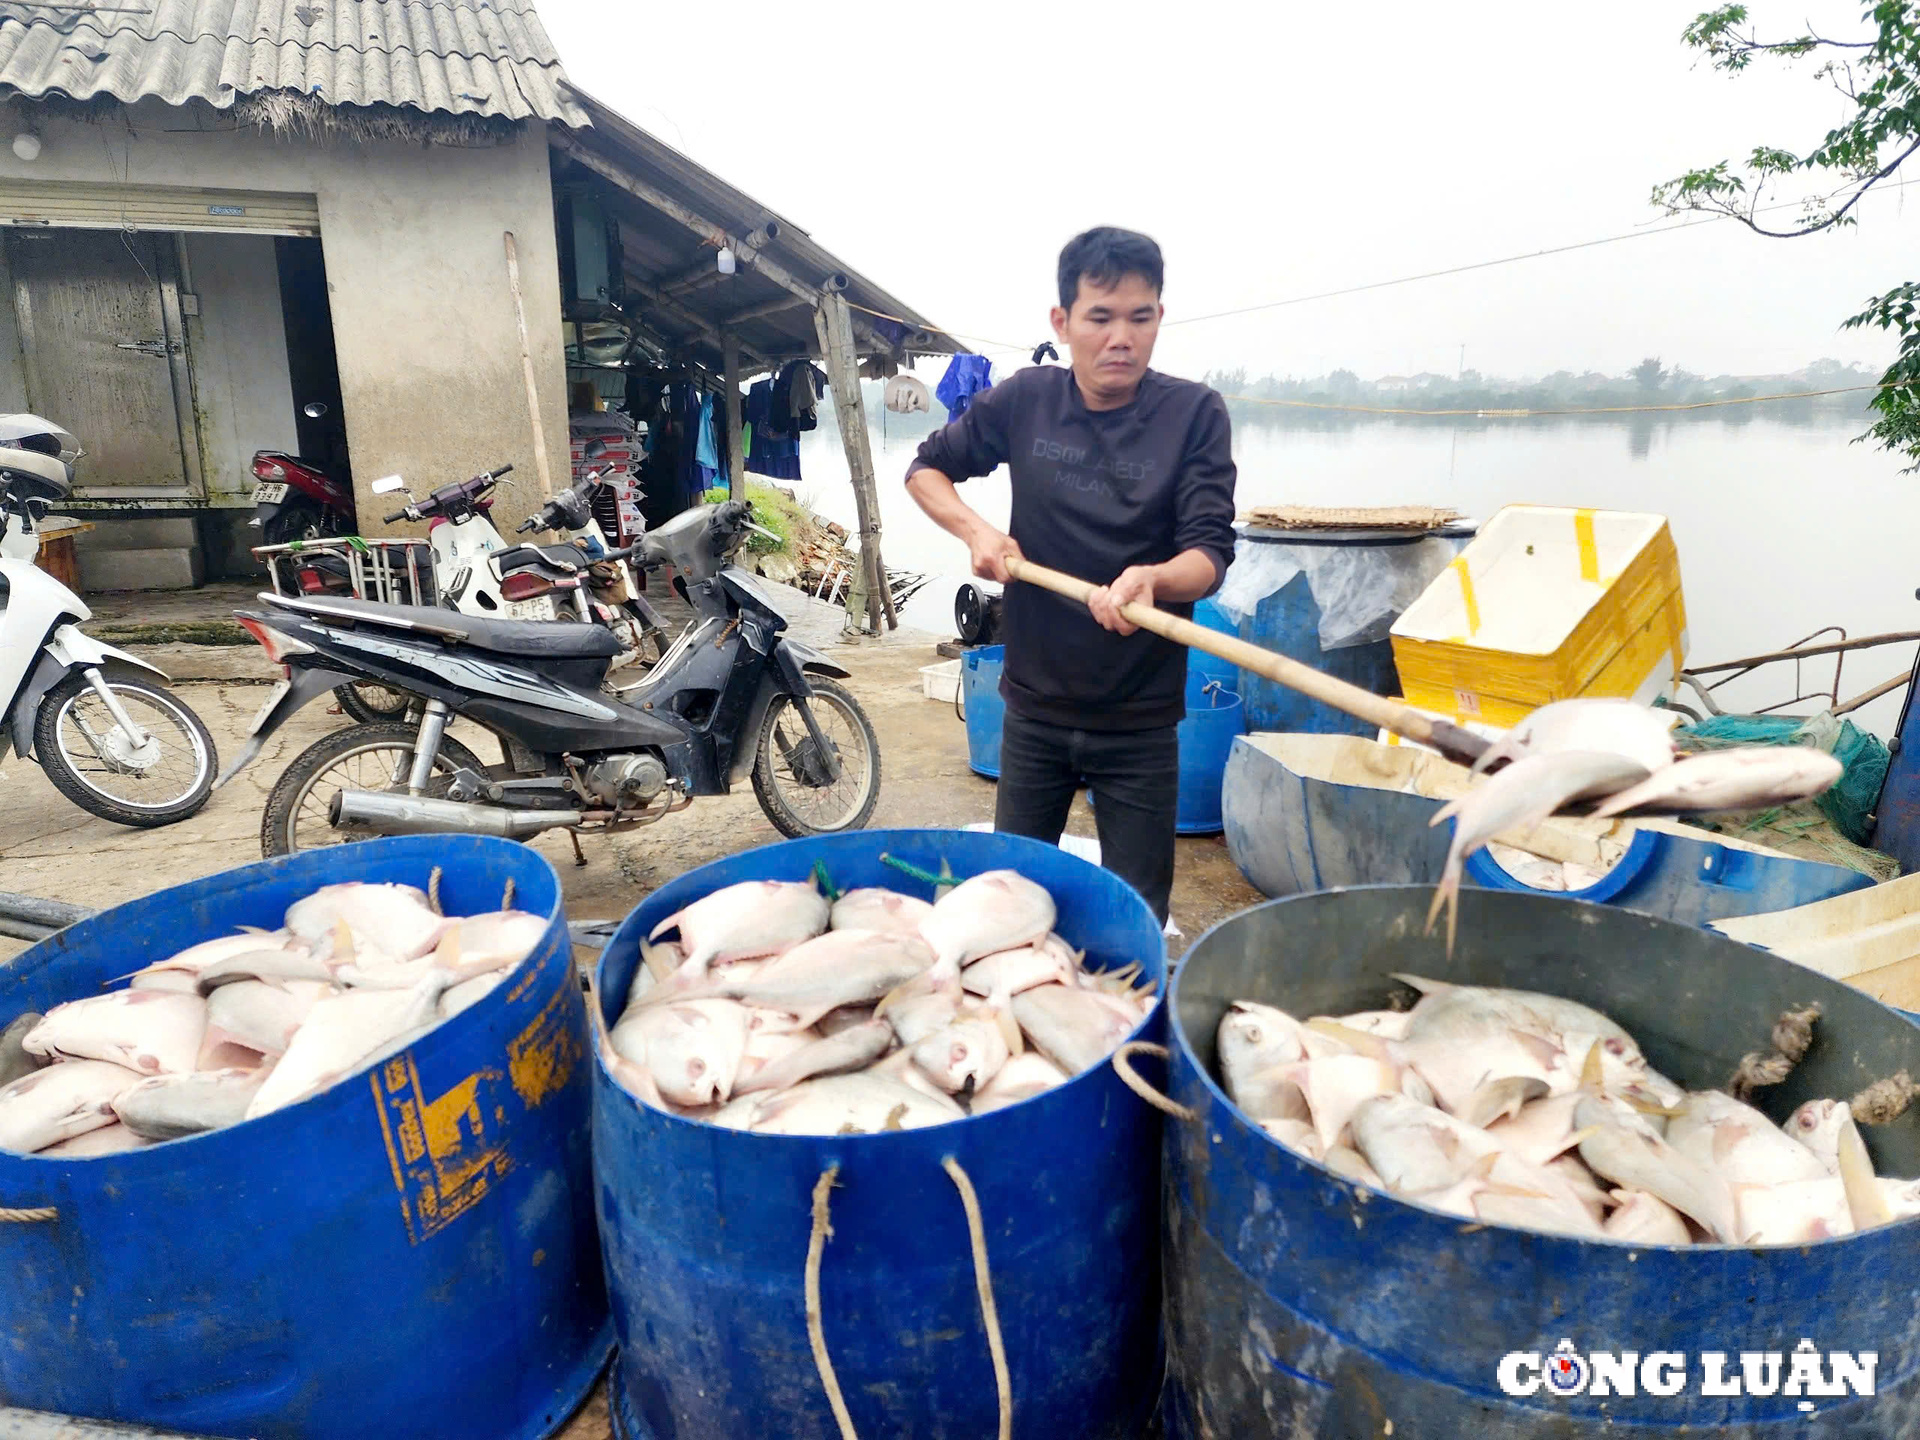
(387, 814)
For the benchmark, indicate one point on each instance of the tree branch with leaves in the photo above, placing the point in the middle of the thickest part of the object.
(1878, 75)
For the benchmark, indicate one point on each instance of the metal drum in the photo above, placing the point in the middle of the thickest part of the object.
(1303, 1305)
(409, 1253)
(706, 1230)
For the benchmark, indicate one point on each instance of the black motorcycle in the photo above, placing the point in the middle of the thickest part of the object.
(730, 699)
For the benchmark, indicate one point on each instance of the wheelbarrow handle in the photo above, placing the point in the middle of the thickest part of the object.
(1457, 744)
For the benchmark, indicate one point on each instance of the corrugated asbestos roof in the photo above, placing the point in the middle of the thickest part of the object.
(456, 57)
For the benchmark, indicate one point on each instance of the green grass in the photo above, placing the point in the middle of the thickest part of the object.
(771, 509)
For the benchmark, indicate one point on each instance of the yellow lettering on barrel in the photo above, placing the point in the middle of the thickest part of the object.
(541, 1059)
(443, 1163)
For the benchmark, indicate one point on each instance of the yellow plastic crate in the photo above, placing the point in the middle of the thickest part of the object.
(1546, 604)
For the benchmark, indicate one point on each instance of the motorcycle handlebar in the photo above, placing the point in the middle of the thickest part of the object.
(503, 470)
(397, 515)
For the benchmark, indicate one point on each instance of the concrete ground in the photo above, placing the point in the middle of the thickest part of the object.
(51, 849)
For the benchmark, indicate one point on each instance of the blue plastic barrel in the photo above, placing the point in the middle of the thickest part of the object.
(706, 1230)
(1210, 616)
(1303, 1303)
(1288, 622)
(409, 1253)
(1215, 716)
(986, 712)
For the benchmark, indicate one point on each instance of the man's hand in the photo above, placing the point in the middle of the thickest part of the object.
(1132, 586)
(990, 549)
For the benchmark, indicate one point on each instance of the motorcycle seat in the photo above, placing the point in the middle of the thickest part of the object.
(565, 558)
(557, 639)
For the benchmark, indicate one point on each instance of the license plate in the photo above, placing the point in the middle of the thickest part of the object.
(279, 692)
(271, 493)
(539, 608)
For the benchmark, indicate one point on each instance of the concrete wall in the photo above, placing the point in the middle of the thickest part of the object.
(430, 367)
(13, 372)
(239, 348)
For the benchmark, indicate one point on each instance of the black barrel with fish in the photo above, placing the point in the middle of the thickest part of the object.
(410, 1252)
(1303, 1304)
(707, 1232)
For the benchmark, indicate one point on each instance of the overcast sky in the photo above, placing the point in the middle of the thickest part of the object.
(1274, 150)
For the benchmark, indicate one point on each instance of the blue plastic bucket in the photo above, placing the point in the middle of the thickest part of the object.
(1215, 716)
(409, 1253)
(706, 1230)
(985, 710)
(1210, 616)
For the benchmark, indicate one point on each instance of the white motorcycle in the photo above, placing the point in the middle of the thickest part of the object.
(115, 744)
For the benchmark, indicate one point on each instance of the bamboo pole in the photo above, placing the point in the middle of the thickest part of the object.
(830, 323)
(1450, 740)
(541, 464)
(736, 463)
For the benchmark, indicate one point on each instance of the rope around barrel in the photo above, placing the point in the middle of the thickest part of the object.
(816, 1334)
(1123, 1067)
(433, 891)
(29, 1217)
(983, 1278)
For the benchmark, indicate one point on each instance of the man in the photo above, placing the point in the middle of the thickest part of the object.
(1121, 475)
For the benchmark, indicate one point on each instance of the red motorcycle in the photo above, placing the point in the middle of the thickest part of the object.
(295, 498)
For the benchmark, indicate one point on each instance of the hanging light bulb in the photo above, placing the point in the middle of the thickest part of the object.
(26, 145)
(726, 259)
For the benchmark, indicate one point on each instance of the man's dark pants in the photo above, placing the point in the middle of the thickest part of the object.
(1135, 778)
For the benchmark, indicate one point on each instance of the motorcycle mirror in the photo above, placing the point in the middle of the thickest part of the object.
(762, 530)
(313, 409)
(387, 484)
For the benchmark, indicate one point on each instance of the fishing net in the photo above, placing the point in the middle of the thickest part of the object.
(1833, 827)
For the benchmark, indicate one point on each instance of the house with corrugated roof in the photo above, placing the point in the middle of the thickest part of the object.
(218, 214)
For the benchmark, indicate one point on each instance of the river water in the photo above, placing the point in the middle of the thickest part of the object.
(1782, 528)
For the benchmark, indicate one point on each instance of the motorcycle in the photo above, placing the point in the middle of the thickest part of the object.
(732, 699)
(299, 499)
(116, 745)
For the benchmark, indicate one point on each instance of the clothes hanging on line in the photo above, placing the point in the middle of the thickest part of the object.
(966, 377)
(771, 451)
(706, 450)
(795, 400)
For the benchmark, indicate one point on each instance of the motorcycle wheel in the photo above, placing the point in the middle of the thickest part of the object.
(790, 784)
(91, 761)
(295, 520)
(362, 757)
(372, 704)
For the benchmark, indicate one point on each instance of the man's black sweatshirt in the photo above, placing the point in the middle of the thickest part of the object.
(1095, 491)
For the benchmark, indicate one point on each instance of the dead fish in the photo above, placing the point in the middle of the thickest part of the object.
(1021, 1078)
(1256, 1042)
(968, 1053)
(115, 1139)
(1817, 1125)
(1350, 1164)
(1866, 1201)
(841, 967)
(992, 911)
(1571, 1173)
(182, 971)
(1415, 1149)
(1387, 1024)
(875, 908)
(1076, 1029)
(1739, 1142)
(1297, 1135)
(1635, 1160)
(848, 1050)
(342, 1034)
(844, 1018)
(469, 993)
(393, 918)
(151, 1032)
(899, 1066)
(1619, 727)
(691, 1048)
(482, 944)
(1750, 777)
(15, 1059)
(1515, 800)
(916, 1014)
(1542, 1131)
(1549, 1211)
(296, 960)
(1008, 972)
(1447, 1010)
(60, 1102)
(1500, 1099)
(1794, 1212)
(746, 922)
(864, 1103)
(257, 1015)
(168, 1107)
(1646, 1220)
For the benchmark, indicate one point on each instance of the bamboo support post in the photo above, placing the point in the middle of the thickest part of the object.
(736, 462)
(542, 464)
(1450, 740)
(833, 325)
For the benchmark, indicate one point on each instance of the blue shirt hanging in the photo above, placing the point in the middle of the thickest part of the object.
(966, 377)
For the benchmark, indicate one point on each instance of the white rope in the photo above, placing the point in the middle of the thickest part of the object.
(983, 1278)
(28, 1217)
(1146, 1092)
(816, 1333)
